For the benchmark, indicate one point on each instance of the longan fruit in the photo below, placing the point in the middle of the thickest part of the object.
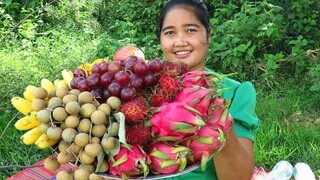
(38, 104)
(93, 149)
(85, 97)
(40, 93)
(59, 114)
(82, 139)
(98, 117)
(51, 163)
(72, 121)
(64, 175)
(61, 92)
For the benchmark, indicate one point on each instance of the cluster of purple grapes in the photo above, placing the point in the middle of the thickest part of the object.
(118, 78)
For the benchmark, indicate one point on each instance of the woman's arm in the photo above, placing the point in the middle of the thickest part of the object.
(236, 159)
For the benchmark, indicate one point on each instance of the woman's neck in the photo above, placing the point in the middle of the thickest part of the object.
(201, 68)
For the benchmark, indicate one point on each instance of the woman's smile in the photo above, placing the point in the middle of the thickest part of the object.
(182, 54)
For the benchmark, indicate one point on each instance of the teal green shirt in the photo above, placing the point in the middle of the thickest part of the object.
(242, 109)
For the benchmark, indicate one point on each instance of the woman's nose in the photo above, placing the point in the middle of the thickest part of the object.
(180, 40)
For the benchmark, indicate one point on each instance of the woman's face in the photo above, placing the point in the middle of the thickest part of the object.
(184, 38)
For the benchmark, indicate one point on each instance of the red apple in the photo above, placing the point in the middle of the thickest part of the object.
(126, 51)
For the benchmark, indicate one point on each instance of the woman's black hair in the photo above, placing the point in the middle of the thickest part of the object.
(200, 11)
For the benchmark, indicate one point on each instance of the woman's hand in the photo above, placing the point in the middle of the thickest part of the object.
(235, 160)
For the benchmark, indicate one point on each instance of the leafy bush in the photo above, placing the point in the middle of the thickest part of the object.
(239, 41)
(132, 23)
(314, 72)
(78, 14)
(25, 18)
(258, 39)
(30, 19)
(302, 18)
(142, 14)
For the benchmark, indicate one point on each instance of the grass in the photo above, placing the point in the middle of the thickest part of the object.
(289, 128)
(288, 114)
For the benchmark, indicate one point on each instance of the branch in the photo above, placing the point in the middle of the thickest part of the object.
(15, 27)
(14, 117)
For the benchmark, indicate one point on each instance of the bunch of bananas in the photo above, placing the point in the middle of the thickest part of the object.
(34, 99)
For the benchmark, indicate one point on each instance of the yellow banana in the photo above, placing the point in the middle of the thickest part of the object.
(28, 93)
(47, 85)
(87, 67)
(55, 82)
(26, 123)
(99, 61)
(33, 115)
(31, 136)
(21, 104)
(67, 76)
(60, 83)
(43, 142)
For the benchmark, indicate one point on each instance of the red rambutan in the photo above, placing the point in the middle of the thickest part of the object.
(158, 98)
(138, 134)
(177, 68)
(170, 85)
(134, 111)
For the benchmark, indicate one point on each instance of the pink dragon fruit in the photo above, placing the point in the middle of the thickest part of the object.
(220, 119)
(174, 121)
(197, 78)
(218, 101)
(129, 162)
(197, 97)
(204, 145)
(204, 79)
(166, 158)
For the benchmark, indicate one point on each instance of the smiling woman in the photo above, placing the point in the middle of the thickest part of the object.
(184, 33)
(184, 38)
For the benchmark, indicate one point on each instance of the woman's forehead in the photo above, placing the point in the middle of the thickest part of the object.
(182, 17)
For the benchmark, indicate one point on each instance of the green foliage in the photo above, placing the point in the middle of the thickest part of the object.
(302, 19)
(259, 40)
(255, 39)
(11, 13)
(27, 20)
(44, 57)
(78, 14)
(142, 14)
(239, 41)
(108, 46)
(314, 72)
(132, 23)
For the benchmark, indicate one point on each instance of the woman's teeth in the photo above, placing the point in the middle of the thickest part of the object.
(182, 52)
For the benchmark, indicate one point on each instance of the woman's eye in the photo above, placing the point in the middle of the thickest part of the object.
(168, 33)
(191, 30)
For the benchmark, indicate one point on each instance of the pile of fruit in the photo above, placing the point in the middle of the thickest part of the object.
(125, 118)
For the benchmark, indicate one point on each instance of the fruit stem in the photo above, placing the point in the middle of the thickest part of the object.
(90, 132)
(78, 157)
(51, 116)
